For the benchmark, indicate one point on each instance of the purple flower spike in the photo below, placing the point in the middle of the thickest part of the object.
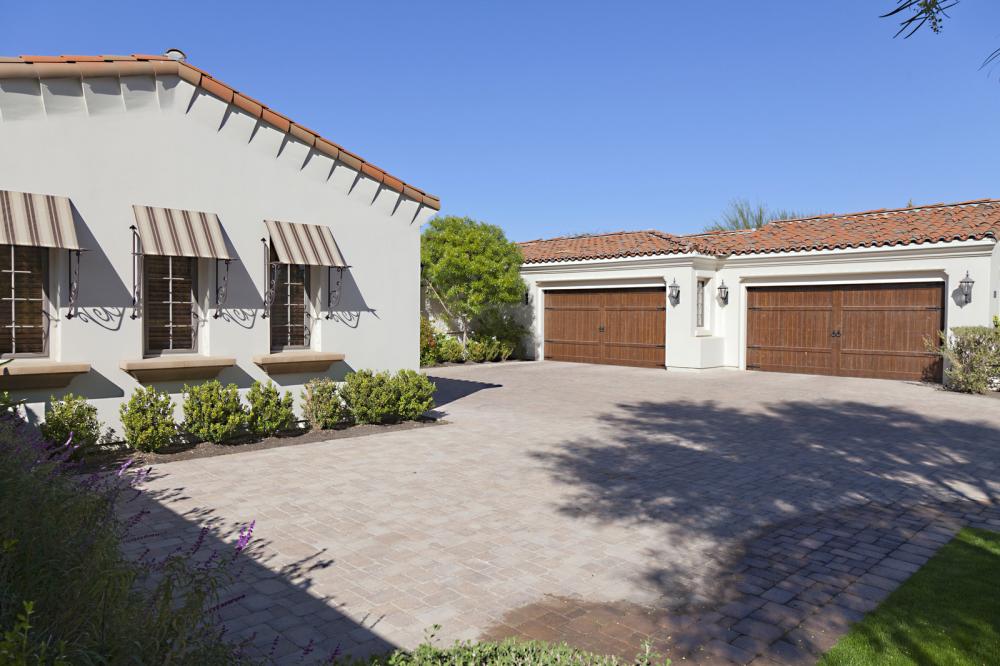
(245, 534)
(125, 466)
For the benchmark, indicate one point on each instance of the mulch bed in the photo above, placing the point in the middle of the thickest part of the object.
(209, 450)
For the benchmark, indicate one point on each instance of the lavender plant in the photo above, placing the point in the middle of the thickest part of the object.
(67, 592)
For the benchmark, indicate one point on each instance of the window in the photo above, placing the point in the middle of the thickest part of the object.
(289, 310)
(24, 323)
(700, 303)
(170, 303)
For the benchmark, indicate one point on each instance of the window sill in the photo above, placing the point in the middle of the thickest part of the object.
(181, 366)
(296, 361)
(41, 373)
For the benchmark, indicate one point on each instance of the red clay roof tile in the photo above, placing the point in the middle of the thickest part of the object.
(970, 220)
(113, 65)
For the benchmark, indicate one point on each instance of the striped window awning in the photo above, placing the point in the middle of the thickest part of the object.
(304, 244)
(180, 233)
(38, 220)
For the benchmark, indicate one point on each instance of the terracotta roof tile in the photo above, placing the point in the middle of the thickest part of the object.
(114, 65)
(970, 220)
(604, 246)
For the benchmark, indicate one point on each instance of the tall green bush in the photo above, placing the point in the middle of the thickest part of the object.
(429, 353)
(973, 359)
(213, 412)
(148, 419)
(501, 322)
(322, 405)
(270, 412)
(72, 414)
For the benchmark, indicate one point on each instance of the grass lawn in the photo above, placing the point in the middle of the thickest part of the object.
(946, 613)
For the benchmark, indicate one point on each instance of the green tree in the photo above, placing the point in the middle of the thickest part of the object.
(470, 266)
(741, 214)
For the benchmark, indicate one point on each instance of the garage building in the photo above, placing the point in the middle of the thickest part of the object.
(860, 295)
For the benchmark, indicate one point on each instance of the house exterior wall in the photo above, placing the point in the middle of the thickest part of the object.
(109, 143)
(722, 341)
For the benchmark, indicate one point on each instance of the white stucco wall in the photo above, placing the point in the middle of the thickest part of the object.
(722, 342)
(109, 143)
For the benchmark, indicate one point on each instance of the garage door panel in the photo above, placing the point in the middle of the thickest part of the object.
(887, 330)
(612, 326)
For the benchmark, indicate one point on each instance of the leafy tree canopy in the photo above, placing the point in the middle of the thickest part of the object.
(470, 265)
(741, 214)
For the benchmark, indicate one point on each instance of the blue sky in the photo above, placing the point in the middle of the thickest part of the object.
(569, 117)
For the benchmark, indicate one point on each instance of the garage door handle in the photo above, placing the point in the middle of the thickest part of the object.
(835, 334)
(600, 329)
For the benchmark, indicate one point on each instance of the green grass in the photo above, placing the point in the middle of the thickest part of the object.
(946, 613)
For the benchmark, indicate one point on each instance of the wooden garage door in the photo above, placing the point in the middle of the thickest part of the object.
(613, 326)
(847, 330)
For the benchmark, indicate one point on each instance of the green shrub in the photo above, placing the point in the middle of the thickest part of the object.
(501, 322)
(148, 419)
(428, 343)
(380, 397)
(322, 404)
(506, 349)
(72, 414)
(415, 394)
(512, 652)
(973, 356)
(450, 350)
(69, 594)
(270, 412)
(477, 351)
(213, 412)
(370, 396)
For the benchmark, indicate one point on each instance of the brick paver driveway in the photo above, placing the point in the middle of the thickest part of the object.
(724, 515)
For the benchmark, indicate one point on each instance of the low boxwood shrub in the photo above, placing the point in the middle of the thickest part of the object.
(506, 349)
(322, 405)
(973, 359)
(270, 412)
(414, 394)
(72, 414)
(213, 412)
(512, 652)
(148, 419)
(369, 396)
(477, 351)
(68, 594)
(379, 397)
(450, 350)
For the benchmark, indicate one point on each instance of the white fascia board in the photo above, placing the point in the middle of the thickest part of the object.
(614, 263)
(950, 249)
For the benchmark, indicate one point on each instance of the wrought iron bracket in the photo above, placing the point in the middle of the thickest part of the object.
(334, 289)
(270, 279)
(221, 289)
(136, 274)
(73, 282)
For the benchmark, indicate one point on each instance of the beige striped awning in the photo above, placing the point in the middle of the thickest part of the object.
(304, 244)
(40, 220)
(180, 233)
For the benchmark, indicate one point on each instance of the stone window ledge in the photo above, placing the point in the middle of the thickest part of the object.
(296, 361)
(41, 373)
(181, 366)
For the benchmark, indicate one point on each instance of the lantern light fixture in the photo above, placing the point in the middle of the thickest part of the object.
(723, 293)
(965, 286)
(674, 292)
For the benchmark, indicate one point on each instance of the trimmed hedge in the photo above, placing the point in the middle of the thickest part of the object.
(511, 652)
(378, 397)
(213, 412)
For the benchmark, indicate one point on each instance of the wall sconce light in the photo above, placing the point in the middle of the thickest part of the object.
(723, 293)
(966, 287)
(674, 292)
